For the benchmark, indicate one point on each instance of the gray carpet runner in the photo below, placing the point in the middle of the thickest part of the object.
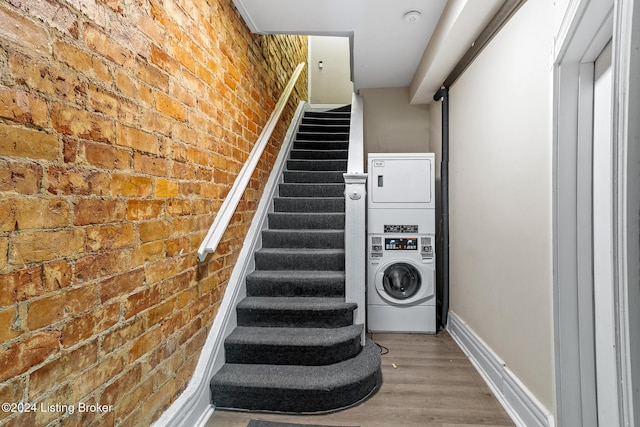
(296, 348)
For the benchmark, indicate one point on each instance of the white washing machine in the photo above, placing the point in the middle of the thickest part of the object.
(400, 243)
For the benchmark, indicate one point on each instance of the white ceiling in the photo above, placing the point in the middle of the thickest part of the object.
(388, 51)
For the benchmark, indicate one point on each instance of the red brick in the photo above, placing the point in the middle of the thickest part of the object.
(64, 180)
(30, 352)
(121, 336)
(141, 301)
(57, 275)
(21, 106)
(69, 363)
(37, 246)
(7, 214)
(9, 326)
(45, 77)
(164, 188)
(122, 386)
(29, 143)
(41, 213)
(81, 61)
(144, 209)
(102, 44)
(20, 30)
(160, 312)
(178, 207)
(148, 252)
(145, 344)
(170, 107)
(85, 326)
(121, 285)
(110, 237)
(156, 230)
(151, 75)
(46, 311)
(82, 124)
(95, 266)
(4, 252)
(20, 177)
(98, 211)
(97, 376)
(136, 139)
(105, 156)
(125, 185)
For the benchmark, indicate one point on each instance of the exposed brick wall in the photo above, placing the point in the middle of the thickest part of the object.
(122, 127)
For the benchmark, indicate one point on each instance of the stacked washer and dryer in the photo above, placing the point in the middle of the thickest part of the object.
(401, 243)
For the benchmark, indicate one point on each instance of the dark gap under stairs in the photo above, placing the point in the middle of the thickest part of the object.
(296, 348)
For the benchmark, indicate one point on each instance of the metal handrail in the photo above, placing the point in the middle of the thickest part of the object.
(228, 208)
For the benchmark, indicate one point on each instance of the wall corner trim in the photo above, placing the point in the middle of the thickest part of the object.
(521, 405)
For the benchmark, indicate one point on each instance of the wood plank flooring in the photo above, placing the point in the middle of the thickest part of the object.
(427, 382)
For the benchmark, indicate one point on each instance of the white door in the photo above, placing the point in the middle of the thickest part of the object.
(603, 268)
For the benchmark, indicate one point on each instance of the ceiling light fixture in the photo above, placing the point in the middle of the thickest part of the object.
(412, 16)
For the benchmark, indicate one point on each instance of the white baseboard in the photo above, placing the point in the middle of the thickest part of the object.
(521, 405)
(193, 407)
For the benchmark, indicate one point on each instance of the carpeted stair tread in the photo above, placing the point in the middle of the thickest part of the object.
(287, 346)
(302, 283)
(309, 204)
(296, 389)
(296, 238)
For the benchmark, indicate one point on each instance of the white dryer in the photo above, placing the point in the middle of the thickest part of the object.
(400, 243)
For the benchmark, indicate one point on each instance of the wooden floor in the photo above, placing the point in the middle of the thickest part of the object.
(427, 382)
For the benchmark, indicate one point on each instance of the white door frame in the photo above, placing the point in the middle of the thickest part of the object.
(586, 28)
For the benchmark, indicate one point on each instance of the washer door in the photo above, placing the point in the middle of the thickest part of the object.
(401, 281)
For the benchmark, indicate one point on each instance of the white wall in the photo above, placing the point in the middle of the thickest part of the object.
(331, 84)
(501, 274)
(391, 125)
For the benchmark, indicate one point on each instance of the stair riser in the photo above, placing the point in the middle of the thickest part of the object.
(311, 154)
(320, 145)
(261, 288)
(295, 318)
(293, 239)
(313, 177)
(327, 115)
(332, 261)
(281, 221)
(323, 129)
(299, 204)
(313, 190)
(296, 400)
(323, 137)
(292, 355)
(317, 165)
(326, 121)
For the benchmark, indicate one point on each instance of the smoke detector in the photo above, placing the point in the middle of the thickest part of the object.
(412, 16)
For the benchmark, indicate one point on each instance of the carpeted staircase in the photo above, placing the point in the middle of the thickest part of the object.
(295, 348)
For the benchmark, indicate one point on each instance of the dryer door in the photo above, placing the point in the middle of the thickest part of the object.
(401, 281)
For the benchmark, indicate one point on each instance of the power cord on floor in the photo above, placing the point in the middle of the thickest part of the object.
(383, 350)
